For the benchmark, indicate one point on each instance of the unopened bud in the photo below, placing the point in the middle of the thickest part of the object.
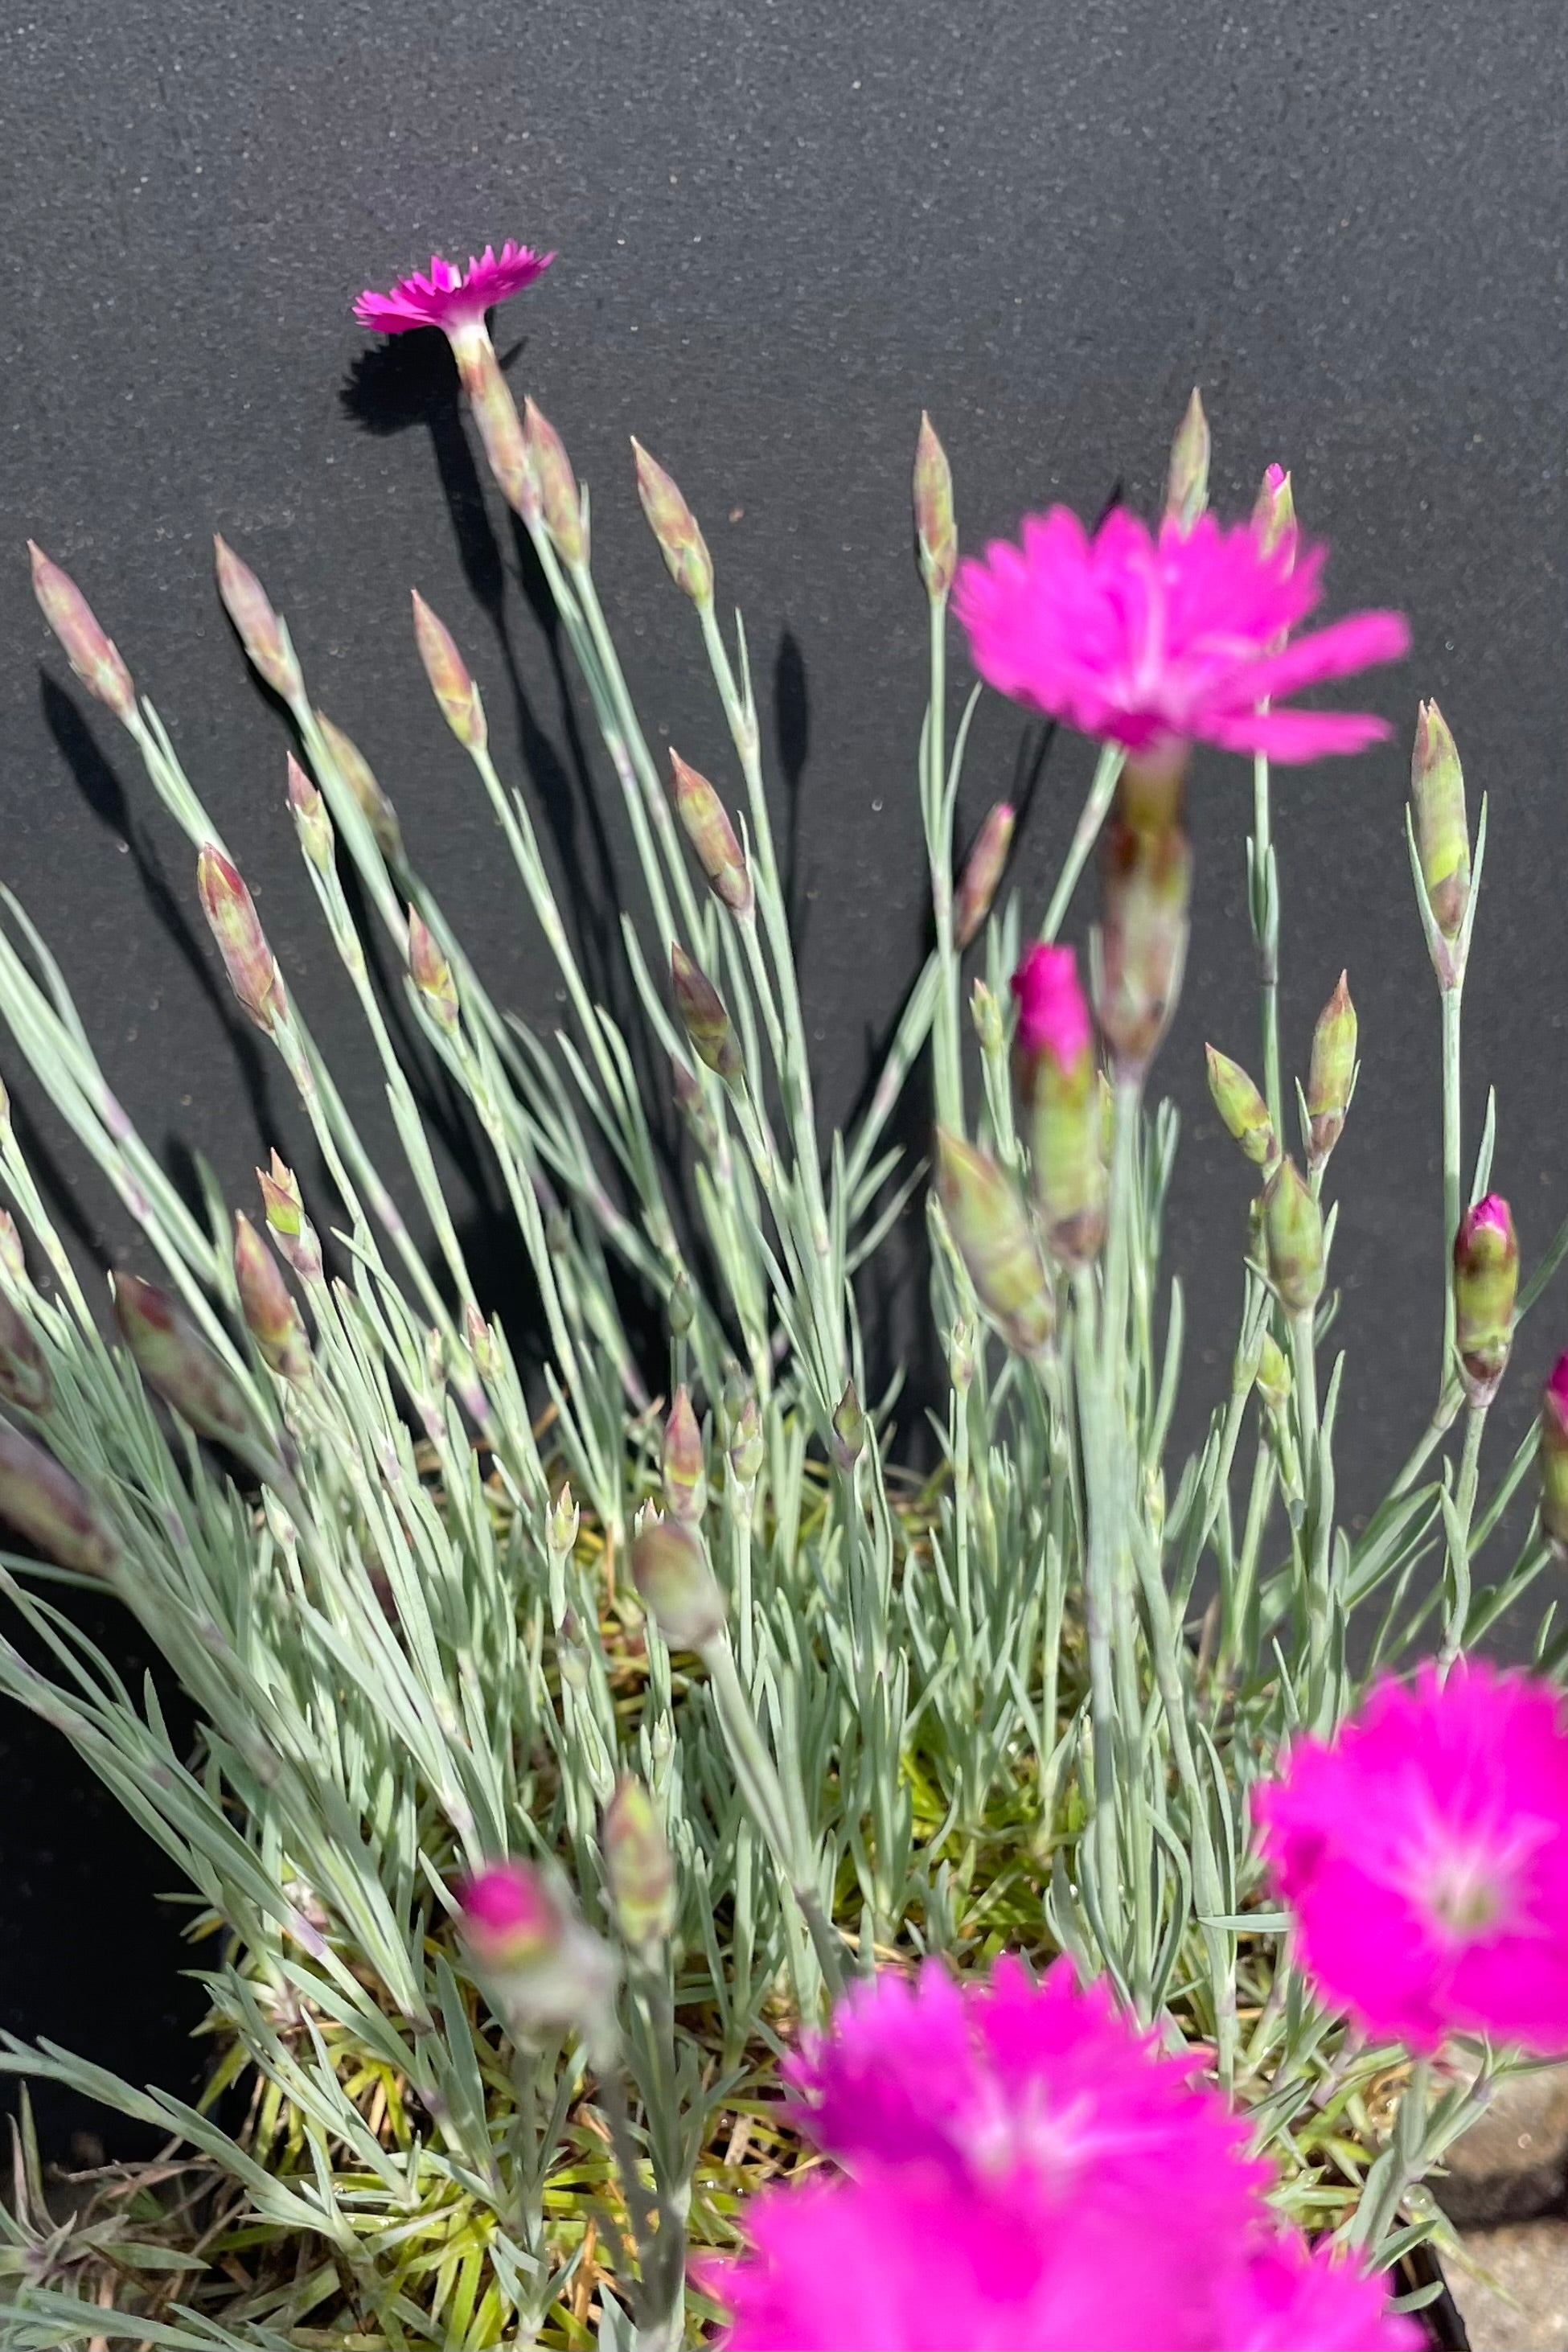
(287, 1221)
(676, 1585)
(703, 1017)
(1273, 1376)
(682, 1308)
(675, 527)
(1148, 878)
(960, 1354)
(1293, 1230)
(562, 1526)
(232, 919)
(1331, 1073)
(707, 826)
(432, 976)
(1058, 1083)
(450, 683)
(1442, 828)
(1274, 515)
(982, 874)
(270, 1314)
(995, 1239)
(310, 819)
(262, 630)
(1553, 1457)
(355, 771)
(935, 530)
(684, 1474)
(53, 1510)
(23, 1375)
(494, 412)
(558, 494)
(638, 1866)
(1187, 481)
(547, 1969)
(1242, 1108)
(746, 1426)
(93, 656)
(1485, 1277)
(848, 1440)
(480, 1341)
(986, 1016)
(179, 1365)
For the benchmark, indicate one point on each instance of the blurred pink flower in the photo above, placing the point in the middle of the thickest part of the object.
(1425, 1854)
(1151, 641)
(1028, 2171)
(451, 298)
(1052, 1015)
(509, 1915)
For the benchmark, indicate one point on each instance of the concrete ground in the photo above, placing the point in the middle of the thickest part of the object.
(1518, 2301)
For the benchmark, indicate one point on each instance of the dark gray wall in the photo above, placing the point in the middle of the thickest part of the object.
(782, 231)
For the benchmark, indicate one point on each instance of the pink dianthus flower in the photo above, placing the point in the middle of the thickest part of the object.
(1154, 640)
(451, 298)
(1028, 2171)
(1423, 1852)
(1052, 1015)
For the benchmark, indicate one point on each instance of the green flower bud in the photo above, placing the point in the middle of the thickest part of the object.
(676, 1585)
(1274, 515)
(745, 1423)
(177, 1364)
(287, 1221)
(259, 628)
(1242, 1108)
(673, 524)
(1331, 1073)
(311, 822)
(1442, 827)
(270, 1314)
(450, 683)
(94, 657)
(1293, 1229)
(1187, 482)
(982, 873)
(1273, 1376)
(23, 1375)
(995, 1240)
(681, 1309)
(1485, 1277)
(707, 826)
(936, 530)
(638, 1866)
(1553, 1457)
(355, 771)
(849, 1438)
(1148, 874)
(562, 1526)
(53, 1510)
(558, 493)
(232, 919)
(431, 977)
(703, 1017)
(684, 1474)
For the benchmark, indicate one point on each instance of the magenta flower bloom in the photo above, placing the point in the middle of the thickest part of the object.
(451, 297)
(1160, 640)
(509, 1915)
(1425, 1854)
(1014, 2151)
(1052, 1015)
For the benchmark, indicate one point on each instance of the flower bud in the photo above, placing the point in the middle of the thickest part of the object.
(1147, 877)
(547, 1969)
(270, 1314)
(673, 524)
(1242, 1108)
(355, 771)
(232, 919)
(1273, 1376)
(681, 1311)
(684, 1470)
(23, 1375)
(432, 976)
(287, 1221)
(450, 684)
(982, 874)
(311, 822)
(259, 628)
(479, 1340)
(936, 530)
(985, 1014)
(1274, 516)
(53, 1510)
(703, 1017)
(1442, 828)
(1293, 1230)
(1054, 1057)
(995, 1239)
(676, 1585)
(1553, 1457)
(563, 1522)
(557, 487)
(848, 1439)
(1331, 1072)
(176, 1363)
(93, 656)
(494, 411)
(638, 1866)
(707, 826)
(745, 1427)
(1485, 1277)
(1187, 480)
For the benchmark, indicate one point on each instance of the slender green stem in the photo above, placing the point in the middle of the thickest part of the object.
(938, 811)
(1266, 934)
(1459, 1542)
(1451, 1002)
(1085, 833)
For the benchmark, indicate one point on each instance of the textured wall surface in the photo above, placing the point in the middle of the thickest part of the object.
(783, 229)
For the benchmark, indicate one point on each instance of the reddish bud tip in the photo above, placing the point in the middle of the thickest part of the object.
(432, 976)
(176, 1363)
(673, 524)
(706, 824)
(232, 919)
(260, 630)
(676, 1585)
(91, 654)
(450, 683)
(983, 875)
(270, 1314)
(311, 822)
(355, 771)
(558, 494)
(702, 1015)
(936, 533)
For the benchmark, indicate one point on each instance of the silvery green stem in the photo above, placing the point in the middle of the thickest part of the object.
(1099, 1586)
(1085, 833)
(937, 810)
(1456, 1521)
(1451, 1001)
(1264, 901)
